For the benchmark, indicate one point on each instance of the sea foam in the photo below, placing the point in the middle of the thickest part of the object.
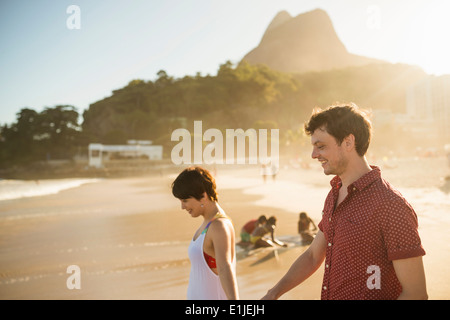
(16, 189)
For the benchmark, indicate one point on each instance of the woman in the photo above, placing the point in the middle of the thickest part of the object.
(212, 249)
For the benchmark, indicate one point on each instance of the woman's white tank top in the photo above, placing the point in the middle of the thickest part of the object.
(204, 284)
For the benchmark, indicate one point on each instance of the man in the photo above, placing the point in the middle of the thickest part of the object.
(368, 233)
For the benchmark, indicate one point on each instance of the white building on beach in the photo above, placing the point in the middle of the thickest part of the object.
(99, 153)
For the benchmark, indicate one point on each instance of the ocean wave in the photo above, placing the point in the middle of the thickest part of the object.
(16, 189)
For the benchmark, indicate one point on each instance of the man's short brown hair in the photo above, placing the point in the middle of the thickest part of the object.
(340, 121)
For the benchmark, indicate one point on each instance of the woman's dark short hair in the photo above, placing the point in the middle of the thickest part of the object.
(193, 182)
(340, 121)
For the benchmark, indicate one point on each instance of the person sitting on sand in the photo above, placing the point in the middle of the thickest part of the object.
(304, 224)
(258, 239)
(249, 227)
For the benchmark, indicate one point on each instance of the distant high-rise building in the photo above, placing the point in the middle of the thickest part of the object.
(429, 101)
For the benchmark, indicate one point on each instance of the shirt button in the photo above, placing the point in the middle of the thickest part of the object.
(324, 287)
(329, 219)
(327, 266)
(329, 244)
(354, 189)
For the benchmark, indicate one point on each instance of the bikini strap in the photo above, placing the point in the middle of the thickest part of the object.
(217, 216)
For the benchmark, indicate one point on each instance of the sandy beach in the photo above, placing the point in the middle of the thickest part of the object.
(129, 236)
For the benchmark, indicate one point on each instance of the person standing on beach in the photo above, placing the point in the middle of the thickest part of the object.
(212, 249)
(368, 235)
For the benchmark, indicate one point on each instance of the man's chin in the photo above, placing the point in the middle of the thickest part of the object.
(328, 171)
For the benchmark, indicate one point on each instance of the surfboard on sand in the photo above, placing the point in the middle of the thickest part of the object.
(245, 250)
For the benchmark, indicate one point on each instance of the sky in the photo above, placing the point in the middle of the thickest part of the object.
(45, 61)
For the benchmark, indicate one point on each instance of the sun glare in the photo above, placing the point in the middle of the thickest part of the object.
(429, 46)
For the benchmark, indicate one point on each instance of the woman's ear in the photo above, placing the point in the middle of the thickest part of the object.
(204, 198)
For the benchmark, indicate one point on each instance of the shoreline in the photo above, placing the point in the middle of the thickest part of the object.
(130, 169)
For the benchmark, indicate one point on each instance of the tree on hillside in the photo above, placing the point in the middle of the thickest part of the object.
(58, 130)
(53, 133)
(235, 98)
(17, 143)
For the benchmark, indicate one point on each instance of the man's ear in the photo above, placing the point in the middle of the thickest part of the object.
(349, 142)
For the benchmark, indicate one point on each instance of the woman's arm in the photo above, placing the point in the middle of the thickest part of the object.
(315, 227)
(222, 233)
(276, 241)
